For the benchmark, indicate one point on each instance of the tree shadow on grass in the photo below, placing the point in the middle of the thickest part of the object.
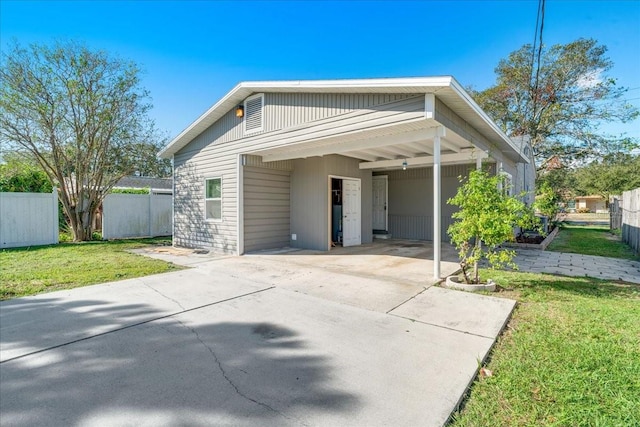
(193, 368)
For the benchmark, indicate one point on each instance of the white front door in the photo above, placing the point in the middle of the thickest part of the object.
(380, 202)
(351, 212)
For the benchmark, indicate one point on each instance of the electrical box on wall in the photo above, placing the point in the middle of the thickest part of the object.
(294, 237)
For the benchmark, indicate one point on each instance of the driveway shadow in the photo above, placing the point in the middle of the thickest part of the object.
(177, 370)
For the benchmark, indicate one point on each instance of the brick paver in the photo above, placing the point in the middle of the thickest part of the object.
(577, 265)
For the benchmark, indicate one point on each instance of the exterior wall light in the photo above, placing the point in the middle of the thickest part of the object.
(404, 165)
(240, 111)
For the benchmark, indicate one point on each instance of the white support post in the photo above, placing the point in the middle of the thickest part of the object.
(241, 161)
(479, 163)
(436, 204)
(499, 173)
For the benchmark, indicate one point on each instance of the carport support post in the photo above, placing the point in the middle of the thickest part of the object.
(436, 203)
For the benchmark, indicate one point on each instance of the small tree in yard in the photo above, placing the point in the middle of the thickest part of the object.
(547, 201)
(486, 218)
(81, 115)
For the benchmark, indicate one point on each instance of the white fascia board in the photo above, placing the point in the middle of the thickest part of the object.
(244, 89)
(469, 100)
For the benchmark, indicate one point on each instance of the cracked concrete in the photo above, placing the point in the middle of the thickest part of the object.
(290, 339)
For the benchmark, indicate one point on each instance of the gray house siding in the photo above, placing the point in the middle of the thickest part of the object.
(288, 110)
(410, 198)
(266, 208)
(310, 199)
(214, 153)
(191, 229)
(446, 116)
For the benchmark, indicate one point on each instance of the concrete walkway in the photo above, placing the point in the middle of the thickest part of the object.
(576, 265)
(245, 341)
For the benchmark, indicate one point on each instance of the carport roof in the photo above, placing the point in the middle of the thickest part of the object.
(445, 88)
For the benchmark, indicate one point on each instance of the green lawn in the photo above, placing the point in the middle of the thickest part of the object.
(28, 271)
(591, 240)
(570, 356)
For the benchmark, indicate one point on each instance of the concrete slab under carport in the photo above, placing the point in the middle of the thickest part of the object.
(377, 276)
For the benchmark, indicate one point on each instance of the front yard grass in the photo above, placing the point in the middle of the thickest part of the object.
(32, 270)
(570, 356)
(591, 240)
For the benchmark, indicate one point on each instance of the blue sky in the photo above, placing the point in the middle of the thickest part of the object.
(193, 52)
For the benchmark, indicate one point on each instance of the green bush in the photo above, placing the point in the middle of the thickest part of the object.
(485, 219)
(130, 190)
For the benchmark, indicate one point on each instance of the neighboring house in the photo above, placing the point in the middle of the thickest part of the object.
(155, 185)
(308, 164)
(593, 203)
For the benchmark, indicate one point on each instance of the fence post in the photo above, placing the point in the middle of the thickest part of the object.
(56, 218)
(150, 212)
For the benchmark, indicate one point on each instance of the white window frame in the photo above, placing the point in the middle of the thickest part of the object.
(213, 199)
(508, 183)
(246, 112)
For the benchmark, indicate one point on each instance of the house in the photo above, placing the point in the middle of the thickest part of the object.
(593, 203)
(155, 185)
(309, 164)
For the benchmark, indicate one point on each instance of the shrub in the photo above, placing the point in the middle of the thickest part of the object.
(485, 220)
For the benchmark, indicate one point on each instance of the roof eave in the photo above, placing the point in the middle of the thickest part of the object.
(244, 89)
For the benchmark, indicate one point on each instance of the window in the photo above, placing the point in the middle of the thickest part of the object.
(213, 198)
(507, 183)
(253, 119)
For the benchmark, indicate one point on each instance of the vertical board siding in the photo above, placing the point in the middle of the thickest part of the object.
(411, 200)
(28, 219)
(285, 110)
(310, 199)
(448, 118)
(266, 208)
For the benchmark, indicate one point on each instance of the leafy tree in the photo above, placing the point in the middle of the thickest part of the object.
(561, 180)
(18, 174)
(612, 175)
(80, 114)
(146, 162)
(547, 200)
(485, 219)
(562, 104)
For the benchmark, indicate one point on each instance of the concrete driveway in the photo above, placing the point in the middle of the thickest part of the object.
(267, 339)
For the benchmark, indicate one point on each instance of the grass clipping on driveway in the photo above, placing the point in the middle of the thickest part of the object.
(570, 356)
(32, 270)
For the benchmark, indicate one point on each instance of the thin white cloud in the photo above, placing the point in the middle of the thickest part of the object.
(590, 79)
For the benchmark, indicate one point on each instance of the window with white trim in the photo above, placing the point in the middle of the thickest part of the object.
(507, 183)
(213, 199)
(253, 117)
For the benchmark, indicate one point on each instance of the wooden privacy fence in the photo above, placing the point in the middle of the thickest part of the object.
(631, 218)
(137, 215)
(28, 219)
(615, 214)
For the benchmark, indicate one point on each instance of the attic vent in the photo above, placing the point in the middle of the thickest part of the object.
(253, 113)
